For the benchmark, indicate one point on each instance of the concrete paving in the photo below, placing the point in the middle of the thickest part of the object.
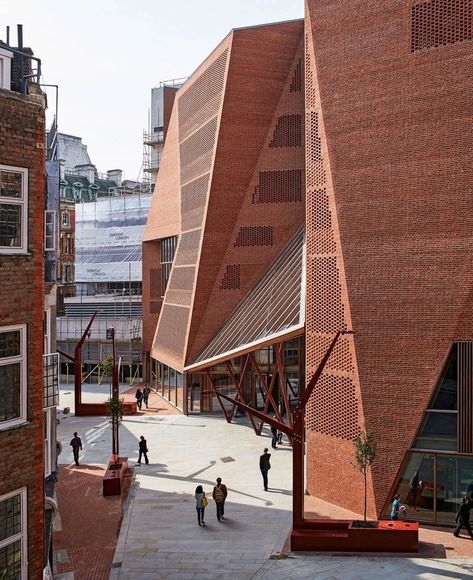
(160, 537)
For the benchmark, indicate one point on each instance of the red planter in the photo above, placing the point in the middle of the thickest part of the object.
(341, 536)
(114, 476)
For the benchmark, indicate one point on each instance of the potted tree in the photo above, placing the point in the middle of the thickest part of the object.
(365, 454)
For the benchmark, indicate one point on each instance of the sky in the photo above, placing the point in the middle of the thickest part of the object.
(106, 55)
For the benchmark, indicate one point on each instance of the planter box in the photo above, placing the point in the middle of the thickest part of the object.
(341, 536)
(100, 409)
(114, 476)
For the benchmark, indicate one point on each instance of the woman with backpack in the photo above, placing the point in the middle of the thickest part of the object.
(201, 503)
(220, 495)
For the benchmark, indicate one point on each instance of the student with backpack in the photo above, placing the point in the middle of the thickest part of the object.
(220, 495)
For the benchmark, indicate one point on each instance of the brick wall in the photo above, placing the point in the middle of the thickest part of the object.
(21, 301)
(396, 112)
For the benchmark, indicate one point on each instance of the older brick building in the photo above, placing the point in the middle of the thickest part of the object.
(22, 440)
(388, 244)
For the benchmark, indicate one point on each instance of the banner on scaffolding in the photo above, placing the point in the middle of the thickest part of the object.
(108, 239)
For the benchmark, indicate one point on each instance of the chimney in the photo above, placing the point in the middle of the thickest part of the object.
(86, 170)
(115, 175)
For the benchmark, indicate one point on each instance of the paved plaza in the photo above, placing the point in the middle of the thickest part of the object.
(159, 535)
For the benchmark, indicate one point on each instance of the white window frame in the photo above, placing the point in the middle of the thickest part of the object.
(51, 247)
(23, 248)
(65, 222)
(22, 359)
(5, 68)
(22, 535)
(47, 441)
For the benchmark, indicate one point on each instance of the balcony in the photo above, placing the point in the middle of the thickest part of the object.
(50, 380)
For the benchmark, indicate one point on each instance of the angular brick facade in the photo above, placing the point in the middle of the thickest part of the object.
(21, 302)
(235, 143)
(393, 95)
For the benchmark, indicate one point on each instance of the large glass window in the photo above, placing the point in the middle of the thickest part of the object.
(13, 535)
(439, 427)
(12, 375)
(442, 481)
(168, 249)
(13, 209)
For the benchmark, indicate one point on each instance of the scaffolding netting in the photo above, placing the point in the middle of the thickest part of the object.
(109, 233)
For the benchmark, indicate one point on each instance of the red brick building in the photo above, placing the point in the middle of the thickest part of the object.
(372, 108)
(228, 214)
(22, 207)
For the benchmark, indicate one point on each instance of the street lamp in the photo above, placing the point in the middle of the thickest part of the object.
(115, 393)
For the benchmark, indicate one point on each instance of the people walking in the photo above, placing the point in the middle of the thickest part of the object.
(265, 466)
(280, 437)
(220, 495)
(76, 444)
(146, 392)
(139, 398)
(395, 508)
(143, 447)
(414, 487)
(274, 438)
(201, 503)
(462, 519)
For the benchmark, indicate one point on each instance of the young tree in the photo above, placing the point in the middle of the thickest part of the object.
(365, 454)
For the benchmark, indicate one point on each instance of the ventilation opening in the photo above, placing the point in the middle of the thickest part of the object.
(288, 132)
(231, 278)
(278, 186)
(255, 236)
(440, 22)
(296, 83)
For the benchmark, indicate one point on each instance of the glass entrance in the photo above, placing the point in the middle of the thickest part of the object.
(442, 481)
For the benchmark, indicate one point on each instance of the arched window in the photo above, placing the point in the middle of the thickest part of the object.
(65, 220)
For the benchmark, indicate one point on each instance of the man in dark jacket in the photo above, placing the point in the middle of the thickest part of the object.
(76, 444)
(463, 518)
(265, 466)
(220, 495)
(143, 450)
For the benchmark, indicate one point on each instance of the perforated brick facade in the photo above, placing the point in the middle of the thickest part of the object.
(238, 155)
(389, 222)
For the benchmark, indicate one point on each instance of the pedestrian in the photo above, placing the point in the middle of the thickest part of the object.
(265, 466)
(201, 503)
(395, 507)
(274, 439)
(146, 392)
(414, 487)
(76, 444)
(143, 447)
(139, 398)
(220, 495)
(280, 437)
(462, 519)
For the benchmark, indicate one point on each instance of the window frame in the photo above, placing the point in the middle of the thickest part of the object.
(65, 222)
(52, 213)
(22, 358)
(22, 536)
(23, 248)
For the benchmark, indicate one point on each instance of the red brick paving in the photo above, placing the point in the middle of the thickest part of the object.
(90, 522)
(156, 403)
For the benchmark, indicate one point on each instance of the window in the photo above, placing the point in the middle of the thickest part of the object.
(13, 209)
(12, 375)
(439, 427)
(49, 230)
(65, 220)
(168, 249)
(13, 562)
